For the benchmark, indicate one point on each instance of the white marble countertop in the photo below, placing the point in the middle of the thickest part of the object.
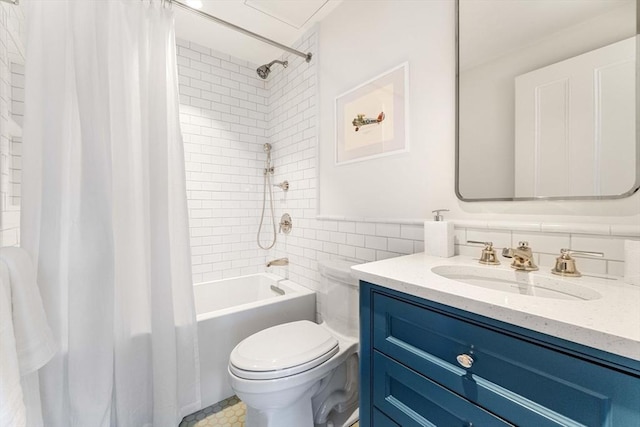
(610, 323)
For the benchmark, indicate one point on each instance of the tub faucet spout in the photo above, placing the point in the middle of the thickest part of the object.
(278, 262)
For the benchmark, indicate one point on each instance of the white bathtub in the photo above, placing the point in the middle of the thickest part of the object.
(230, 310)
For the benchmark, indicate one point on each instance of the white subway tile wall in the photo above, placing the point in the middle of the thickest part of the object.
(11, 110)
(223, 117)
(17, 113)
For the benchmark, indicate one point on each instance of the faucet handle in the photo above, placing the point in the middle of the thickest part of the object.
(286, 224)
(566, 265)
(586, 253)
(488, 255)
(487, 245)
(284, 185)
(523, 244)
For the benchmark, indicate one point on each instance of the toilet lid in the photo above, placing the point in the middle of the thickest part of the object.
(283, 350)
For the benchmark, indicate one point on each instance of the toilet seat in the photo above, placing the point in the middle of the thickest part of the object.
(282, 351)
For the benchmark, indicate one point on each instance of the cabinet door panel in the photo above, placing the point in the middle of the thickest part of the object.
(414, 400)
(381, 420)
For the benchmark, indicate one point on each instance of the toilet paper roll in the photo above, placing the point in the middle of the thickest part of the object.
(632, 262)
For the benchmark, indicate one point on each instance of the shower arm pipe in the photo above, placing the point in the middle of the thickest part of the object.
(306, 56)
(14, 2)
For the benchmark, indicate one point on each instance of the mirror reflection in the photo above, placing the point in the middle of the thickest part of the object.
(546, 99)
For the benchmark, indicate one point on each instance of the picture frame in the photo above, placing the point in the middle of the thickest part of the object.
(371, 119)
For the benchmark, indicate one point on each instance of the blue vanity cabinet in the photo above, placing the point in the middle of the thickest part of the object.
(426, 364)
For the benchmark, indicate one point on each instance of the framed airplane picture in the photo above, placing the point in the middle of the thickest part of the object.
(371, 119)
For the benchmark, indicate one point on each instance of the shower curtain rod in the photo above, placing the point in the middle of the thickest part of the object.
(306, 56)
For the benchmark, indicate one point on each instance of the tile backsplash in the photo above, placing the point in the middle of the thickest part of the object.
(546, 240)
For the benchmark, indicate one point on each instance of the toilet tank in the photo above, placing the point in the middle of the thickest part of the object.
(339, 302)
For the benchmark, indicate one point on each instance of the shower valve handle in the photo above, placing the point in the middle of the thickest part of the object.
(286, 224)
(284, 185)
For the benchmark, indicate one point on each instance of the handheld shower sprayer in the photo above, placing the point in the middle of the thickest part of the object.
(268, 171)
(264, 70)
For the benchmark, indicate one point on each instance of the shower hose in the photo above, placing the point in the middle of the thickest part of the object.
(268, 170)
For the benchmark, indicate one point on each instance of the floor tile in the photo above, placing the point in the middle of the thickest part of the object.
(230, 412)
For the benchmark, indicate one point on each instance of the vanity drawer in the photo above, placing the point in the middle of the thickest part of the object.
(414, 400)
(381, 420)
(524, 382)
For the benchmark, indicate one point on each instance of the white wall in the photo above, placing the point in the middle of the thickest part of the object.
(599, 225)
(433, 186)
(358, 41)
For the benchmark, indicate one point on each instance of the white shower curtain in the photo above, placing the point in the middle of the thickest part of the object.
(104, 213)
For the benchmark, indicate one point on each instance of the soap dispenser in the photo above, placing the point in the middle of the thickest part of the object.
(438, 236)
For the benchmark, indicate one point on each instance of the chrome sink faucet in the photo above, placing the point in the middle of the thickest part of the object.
(278, 262)
(522, 257)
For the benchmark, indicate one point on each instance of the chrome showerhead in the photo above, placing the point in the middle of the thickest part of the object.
(267, 147)
(264, 70)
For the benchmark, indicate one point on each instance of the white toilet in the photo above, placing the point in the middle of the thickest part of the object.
(302, 374)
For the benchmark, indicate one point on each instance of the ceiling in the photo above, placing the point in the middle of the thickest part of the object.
(284, 21)
(492, 28)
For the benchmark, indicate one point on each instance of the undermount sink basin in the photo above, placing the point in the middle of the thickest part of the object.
(517, 282)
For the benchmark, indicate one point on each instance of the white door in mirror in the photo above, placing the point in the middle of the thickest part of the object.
(575, 125)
